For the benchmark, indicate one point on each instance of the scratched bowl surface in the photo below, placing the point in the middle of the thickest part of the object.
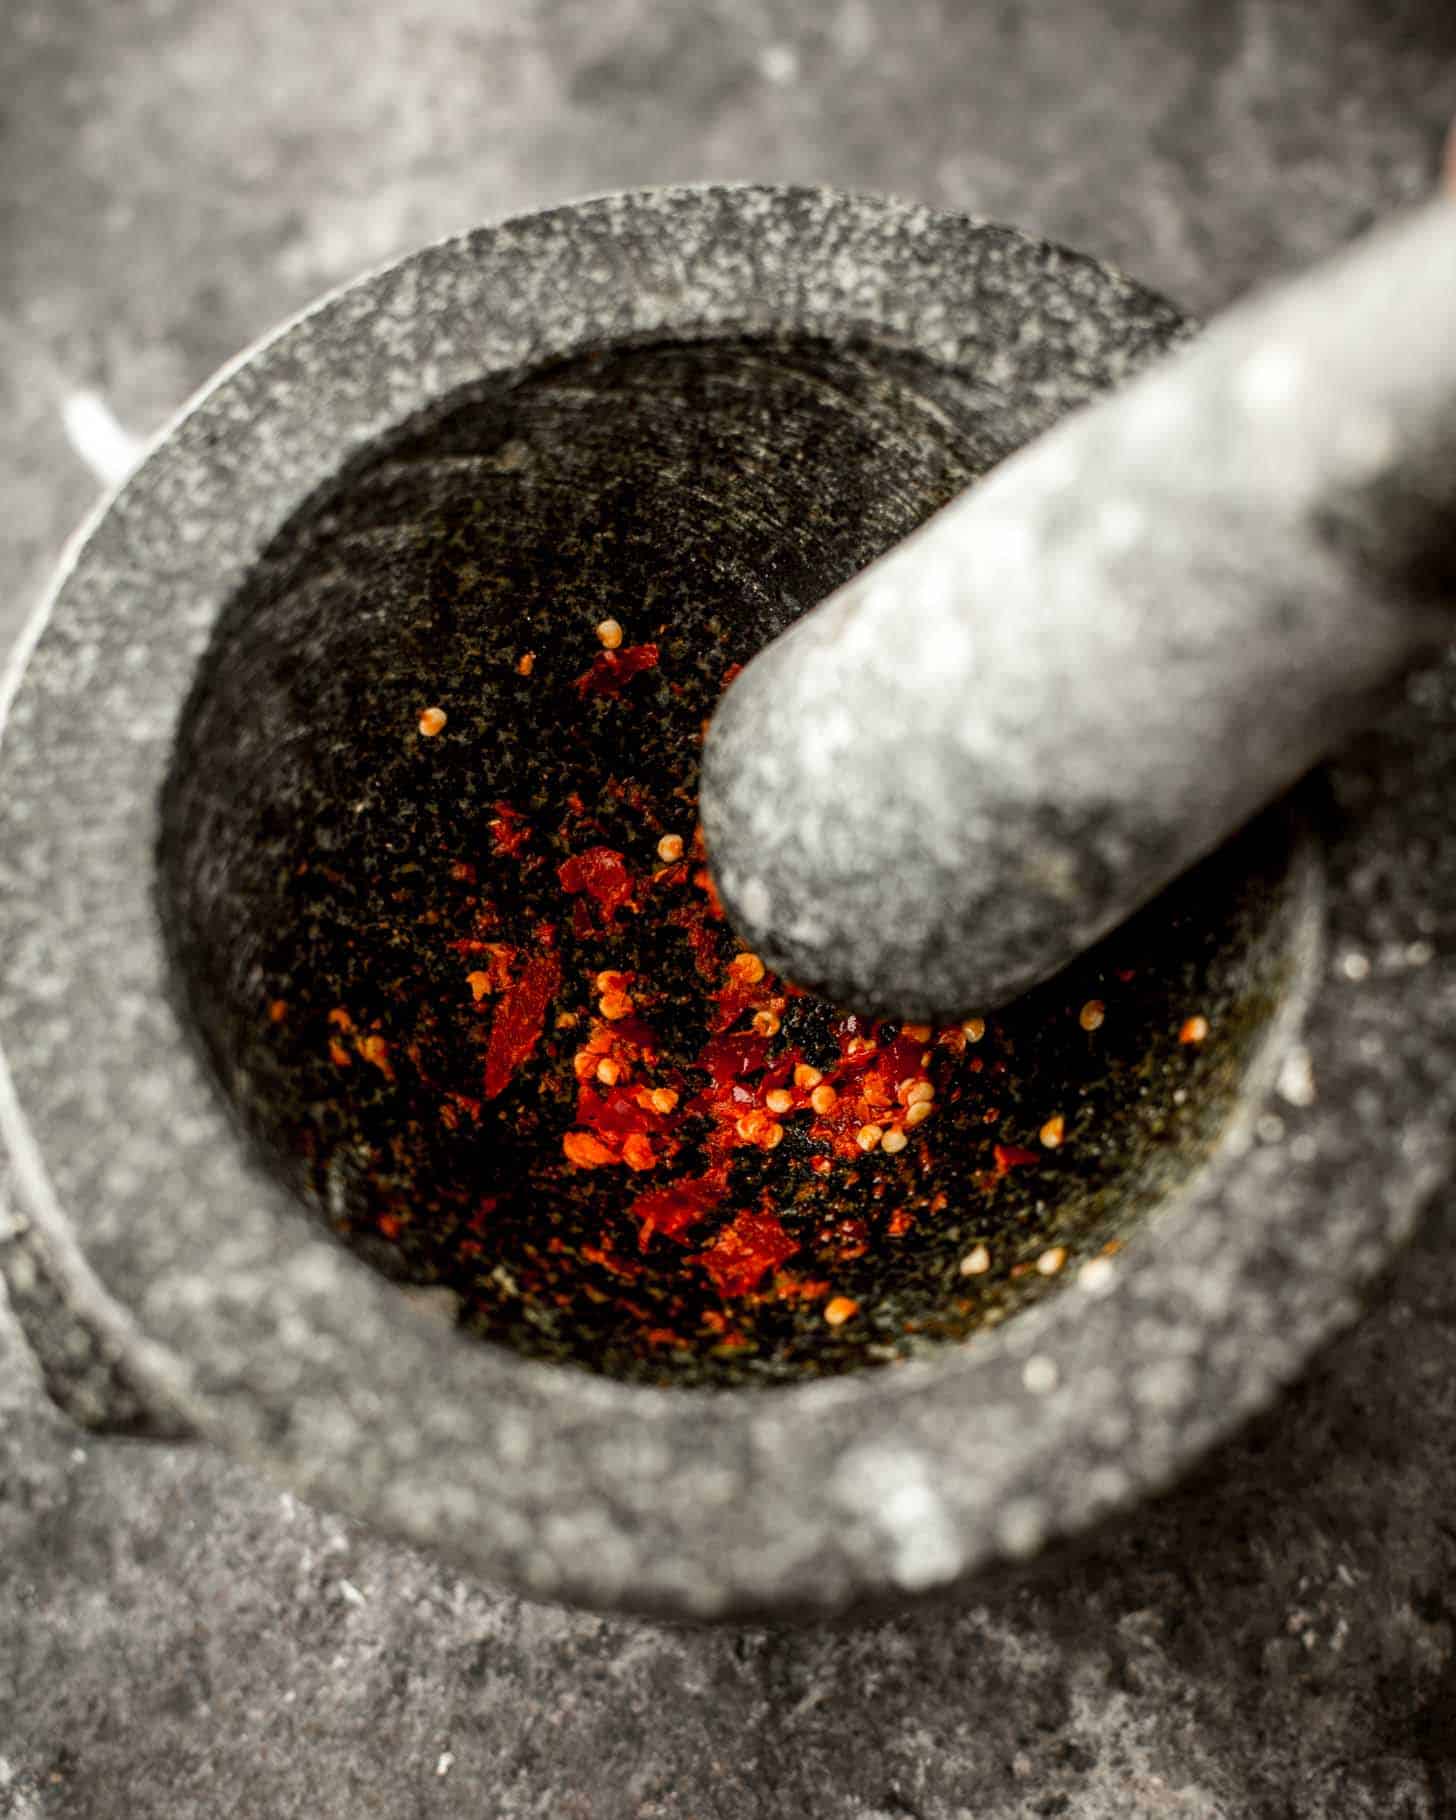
(330, 845)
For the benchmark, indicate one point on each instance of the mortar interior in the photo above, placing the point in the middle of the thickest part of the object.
(331, 878)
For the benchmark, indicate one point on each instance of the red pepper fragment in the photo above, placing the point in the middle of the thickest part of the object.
(671, 1210)
(585, 1151)
(728, 1057)
(742, 1252)
(602, 873)
(1012, 1156)
(522, 1015)
(611, 671)
(509, 829)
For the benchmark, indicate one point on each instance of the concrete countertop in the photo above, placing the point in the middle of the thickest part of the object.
(179, 1639)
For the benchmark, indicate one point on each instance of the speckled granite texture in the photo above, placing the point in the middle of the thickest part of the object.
(1278, 1639)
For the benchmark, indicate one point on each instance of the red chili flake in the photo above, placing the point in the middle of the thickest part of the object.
(733, 1000)
(742, 1252)
(728, 1057)
(635, 1031)
(900, 1060)
(611, 671)
(616, 1113)
(389, 1225)
(1012, 1156)
(637, 1151)
(509, 830)
(732, 673)
(602, 874)
(671, 1210)
(901, 1220)
(702, 939)
(585, 1151)
(522, 1015)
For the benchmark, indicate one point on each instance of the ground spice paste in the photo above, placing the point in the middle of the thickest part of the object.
(499, 1032)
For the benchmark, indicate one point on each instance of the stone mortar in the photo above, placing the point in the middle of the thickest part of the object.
(164, 1271)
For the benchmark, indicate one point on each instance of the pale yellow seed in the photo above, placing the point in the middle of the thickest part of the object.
(615, 1005)
(839, 1310)
(919, 1093)
(1092, 1013)
(868, 1136)
(766, 1023)
(608, 1073)
(974, 1029)
(670, 848)
(824, 1099)
(806, 1077)
(664, 1099)
(1050, 1262)
(610, 633)
(919, 1112)
(894, 1140)
(747, 967)
(773, 1137)
(779, 1100)
(1053, 1131)
(432, 721)
(976, 1262)
(1194, 1030)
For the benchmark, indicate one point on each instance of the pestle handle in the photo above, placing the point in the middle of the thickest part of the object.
(996, 742)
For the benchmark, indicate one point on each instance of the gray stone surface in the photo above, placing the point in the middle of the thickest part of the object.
(986, 750)
(1277, 1641)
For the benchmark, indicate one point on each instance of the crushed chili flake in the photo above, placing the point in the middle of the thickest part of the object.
(673, 1209)
(585, 1151)
(1013, 1156)
(611, 671)
(752, 1245)
(727, 1058)
(602, 874)
(521, 1016)
(637, 1151)
(509, 829)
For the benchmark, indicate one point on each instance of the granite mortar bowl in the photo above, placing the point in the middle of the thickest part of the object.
(700, 410)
